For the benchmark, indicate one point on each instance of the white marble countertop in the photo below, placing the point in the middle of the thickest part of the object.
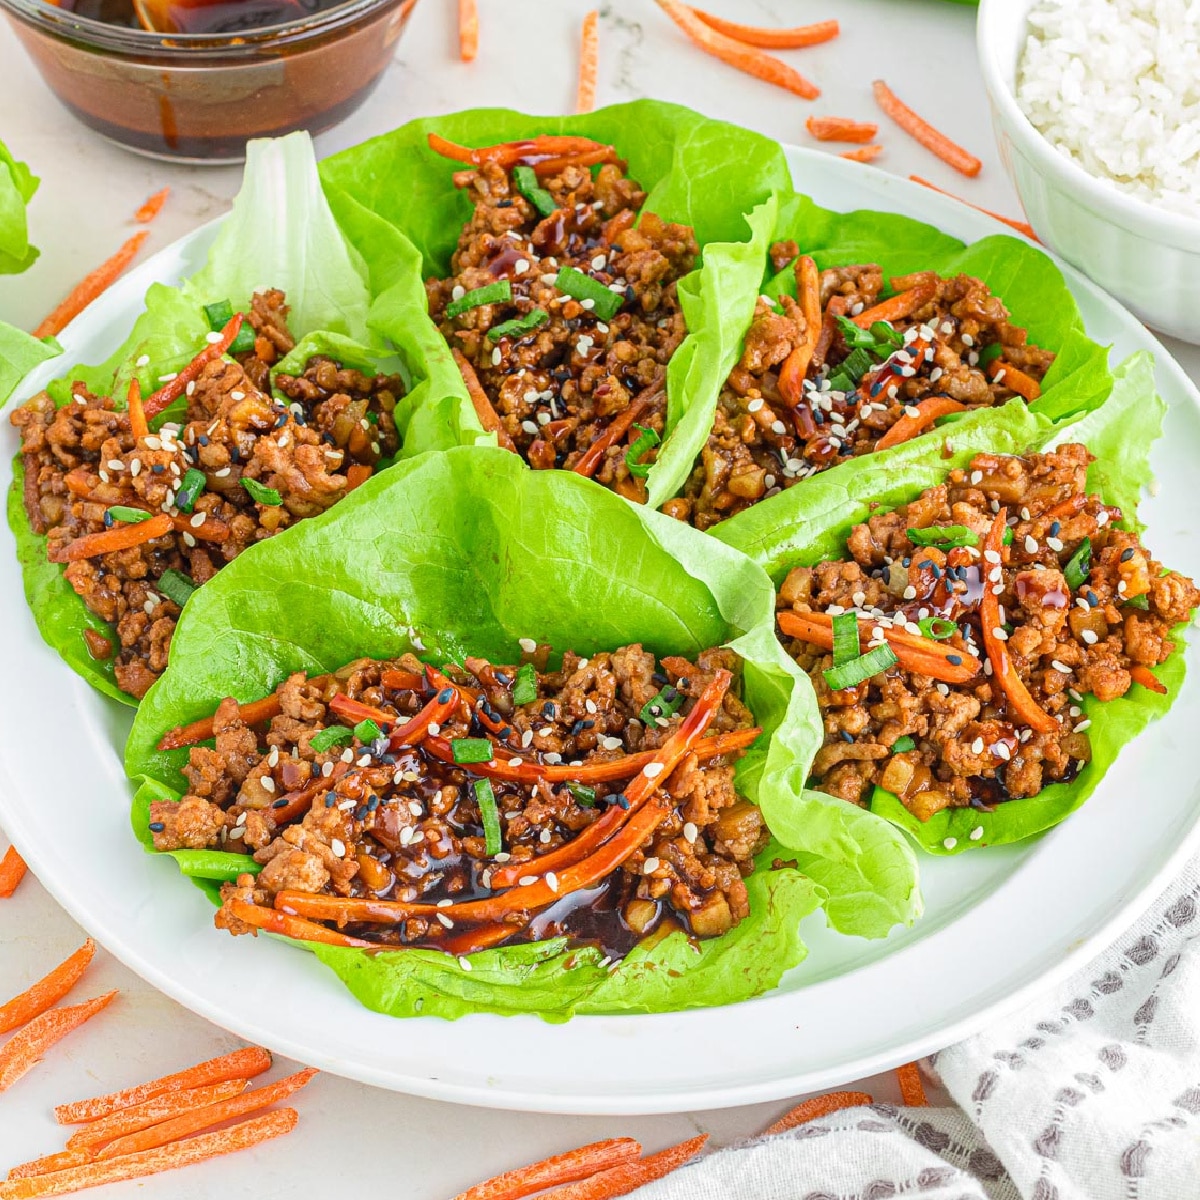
(354, 1138)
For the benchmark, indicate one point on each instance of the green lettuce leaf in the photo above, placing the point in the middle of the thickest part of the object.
(17, 185)
(467, 551)
(700, 172)
(20, 352)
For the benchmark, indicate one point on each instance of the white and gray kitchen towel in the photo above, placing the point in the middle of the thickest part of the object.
(1090, 1093)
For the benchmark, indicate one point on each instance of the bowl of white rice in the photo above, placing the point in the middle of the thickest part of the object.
(1096, 105)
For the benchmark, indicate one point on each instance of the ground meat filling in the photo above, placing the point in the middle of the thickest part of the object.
(759, 445)
(330, 431)
(1075, 627)
(557, 388)
(408, 826)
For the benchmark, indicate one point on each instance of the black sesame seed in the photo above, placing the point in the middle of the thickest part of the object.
(372, 804)
(282, 802)
(548, 710)
(955, 660)
(157, 827)
(445, 695)
(361, 814)
(502, 679)
(108, 520)
(330, 800)
(1126, 555)
(1054, 528)
(589, 724)
(203, 439)
(847, 736)
(158, 468)
(576, 728)
(387, 759)
(620, 800)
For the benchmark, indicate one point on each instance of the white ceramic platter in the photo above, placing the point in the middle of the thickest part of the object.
(1000, 923)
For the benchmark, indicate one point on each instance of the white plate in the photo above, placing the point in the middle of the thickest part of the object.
(1000, 923)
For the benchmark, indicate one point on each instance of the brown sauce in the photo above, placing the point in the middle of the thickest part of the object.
(204, 16)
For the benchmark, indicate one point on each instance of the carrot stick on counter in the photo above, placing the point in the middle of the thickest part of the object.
(91, 286)
(48, 990)
(932, 139)
(12, 871)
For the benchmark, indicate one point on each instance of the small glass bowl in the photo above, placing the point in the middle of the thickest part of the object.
(200, 97)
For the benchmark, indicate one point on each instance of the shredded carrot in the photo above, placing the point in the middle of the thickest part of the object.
(149, 1162)
(562, 1168)
(589, 58)
(840, 129)
(795, 366)
(50, 1162)
(137, 412)
(434, 713)
(998, 371)
(271, 921)
(912, 1090)
(152, 207)
(153, 1111)
(240, 1064)
(91, 286)
(863, 154)
(174, 388)
(772, 39)
(920, 655)
(1148, 679)
(620, 1181)
(909, 427)
(482, 937)
(1023, 705)
(23, 1050)
(402, 681)
(818, 1106)
(119, 537)
(253, 713)
(12, 871)
(357, 475)
(617, 428)
(949, 152)
(738, 53)
(48, 990)
(1019, 226)
(545, 152)
(468, 30)
(488, 417)
(896, 308)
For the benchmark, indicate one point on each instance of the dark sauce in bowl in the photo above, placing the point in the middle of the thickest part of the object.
(204, 16)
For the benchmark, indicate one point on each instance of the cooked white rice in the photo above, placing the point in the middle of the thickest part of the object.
(1115, 86)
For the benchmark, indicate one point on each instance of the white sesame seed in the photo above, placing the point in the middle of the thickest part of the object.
(338, 847)
(527, 644)
(976, 833)
(268, 784)
(911, 410)
(1060, 666)
(327, 769)
(552, 881)
(347, 755)
(406, 835)
(237, 832)
(1089, 637)
(1055, 544)
(1082, 726)
(1031, 546)
(457, 292)
(503, 856)
(435, 728)
(652, 770)
(612, 743)
(976, 477)
(950, 843)
(520, 266)
(590, 706)
(529, 427)
(365, 761)
(496, 356)
(1003, 751)
(778, 427)
(115, 464)
(999, 634)
(464, 962)
(444, 920)
(650, 866)
(188, 539)
(977, 746)
(991, 556)
(211, 338)
(527, 880)
(910, 593)
(527, 738)
(690, 832)
(198, 519)
(514, 762)
(587, 303)
(414, 807)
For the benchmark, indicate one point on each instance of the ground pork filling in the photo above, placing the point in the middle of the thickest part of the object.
(559, 387)
(80, 460)
(760, 444)
(1075, 624)
(404, 825)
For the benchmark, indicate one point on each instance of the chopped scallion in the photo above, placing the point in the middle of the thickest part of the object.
(1008, 536)
(333, 735)
(903, 744)
(471, 750)
(367, 732)
(486, 799)
(1142, 602)
(584, 796)
(937, 628)
(131, 516)
(176, 586)
(856, 364)
(218, 315)
(853, 673)
(527, 184)
(646, 442)
(494, 293)
(853, 335)
(990, 353)
(525, 688)
(1079, 566)
(244, 342)
(666, 704)
(845, 638)
(190, 488)
(944, 537)
(885, 334)
(262, 494)
(574, 283)
(519, 326)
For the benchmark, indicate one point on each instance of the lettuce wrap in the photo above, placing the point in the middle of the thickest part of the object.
(715, 177)
(467, 551)
(1025, 279)
(17, 186)
(281, 233)
(1119, 435)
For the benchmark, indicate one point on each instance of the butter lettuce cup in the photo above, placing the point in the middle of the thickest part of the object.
(465, 725)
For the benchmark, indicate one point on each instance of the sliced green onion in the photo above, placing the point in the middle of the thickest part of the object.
(885, 334)
(851, 674)
(525, 688)
(486, 799)
(854, 335)
(519, 326)
(1079, 566)
(494, 293)
(471, 750)
(856, 364)
(218, 315)
(261, 493)
(605, 303)
(527, 184)
(367, 731)
(190, 487)
(1142, 602)
(646, 442)
(845, 638)
(176, 586)
(666, 704)
(584, 796)
(244, 342)
(334, 735)
(1008, 535)
(944, 536)
(903, 744)
(990, 353)
(937, 628)
(131, 516)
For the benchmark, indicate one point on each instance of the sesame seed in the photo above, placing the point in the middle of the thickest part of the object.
(652, 770)
(115, 464)
(527, 644)
(1085, 724)
(327, 769)
(338, 847)
(977, 746)
(211, 338)
(444, 920)
(496, 356)
(1089, 637)
(520, 266)
(976, 833)
(999, 634)
(690, 832)
(347, 755)
(198, 519)
(1003, 751)
(365, 761)
(527, 738)
(976, 477)
(991, 556)
(457, 292)
(527, 880)
(435, 728)
(552, 881)
(755, 404)
(612, 743)
(950, 843)
(188, 539)
(1054, 543)
(650, 866)
(778, 427)
(268, 784)
(910, 593)
(237, 833)
(464, 962)
(1031, 545)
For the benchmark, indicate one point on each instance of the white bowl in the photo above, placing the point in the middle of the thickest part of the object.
(1146, 257)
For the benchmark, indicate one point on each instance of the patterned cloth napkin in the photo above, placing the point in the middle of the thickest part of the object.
(1091, 1093)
